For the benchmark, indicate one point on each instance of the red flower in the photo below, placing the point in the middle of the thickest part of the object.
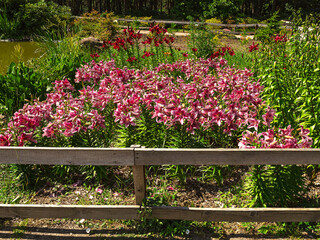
(4, 140)
(147, 54)
(131, 59)
(215, 55)
(185, 54)
(231, 52)
(106, 44)
(156, 43)
(148, 41)
(130, 41)
(96, 55)
(139, 35)
(280, 38)
(116, 46)
(166, 40)
(253, 47)
(194, 49)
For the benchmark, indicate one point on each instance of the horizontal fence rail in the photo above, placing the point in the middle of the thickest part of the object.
(243, 25)
(226, 156)
(161, 212)
(67, 156)
(156, 156)
(138, 157)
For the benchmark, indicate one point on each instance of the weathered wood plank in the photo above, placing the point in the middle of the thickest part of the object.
(67, 156)
(139, 180)
(144, 156)
(226, 156)
(69, 211)
(238, 214)
(174, 213)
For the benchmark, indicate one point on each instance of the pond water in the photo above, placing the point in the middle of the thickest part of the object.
(10, 52)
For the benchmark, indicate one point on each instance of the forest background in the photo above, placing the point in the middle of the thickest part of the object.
(179, 9)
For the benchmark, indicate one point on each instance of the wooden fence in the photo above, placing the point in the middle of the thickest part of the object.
(284, 24)
(225, 25)
(138, 158)
(219, 25)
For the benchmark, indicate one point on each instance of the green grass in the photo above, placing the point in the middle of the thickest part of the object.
(240, 60)
(11, 192)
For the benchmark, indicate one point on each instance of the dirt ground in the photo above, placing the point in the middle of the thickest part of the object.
(49, 229)
(199, 194)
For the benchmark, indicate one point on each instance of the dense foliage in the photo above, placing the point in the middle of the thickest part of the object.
(24, 82)
(20, 83)
(205, 98)
(288, 66)
(23, 19)
(94, 24)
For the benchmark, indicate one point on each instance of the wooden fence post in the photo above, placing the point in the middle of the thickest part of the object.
(139, 181)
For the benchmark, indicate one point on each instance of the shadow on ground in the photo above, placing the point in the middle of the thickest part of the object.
(72, 234)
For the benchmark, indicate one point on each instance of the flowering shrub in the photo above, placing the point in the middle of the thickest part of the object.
(126, 48)
(276, 138)
(222, 52)
(279, 184)
(282, 38)
(200, 98)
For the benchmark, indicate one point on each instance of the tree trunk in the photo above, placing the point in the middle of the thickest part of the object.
(89, 5)
(274, 6)
(76, 4)
(108, 6)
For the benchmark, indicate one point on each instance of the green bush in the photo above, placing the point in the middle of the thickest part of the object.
(60, 59)
(222, 9)
(213, 20)
(21, 19)
(21, 83)
(27, 81)
(203, 40)
(273, 27)
(9, 29)
(94, 24)
(276, 185)
(45, 16)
